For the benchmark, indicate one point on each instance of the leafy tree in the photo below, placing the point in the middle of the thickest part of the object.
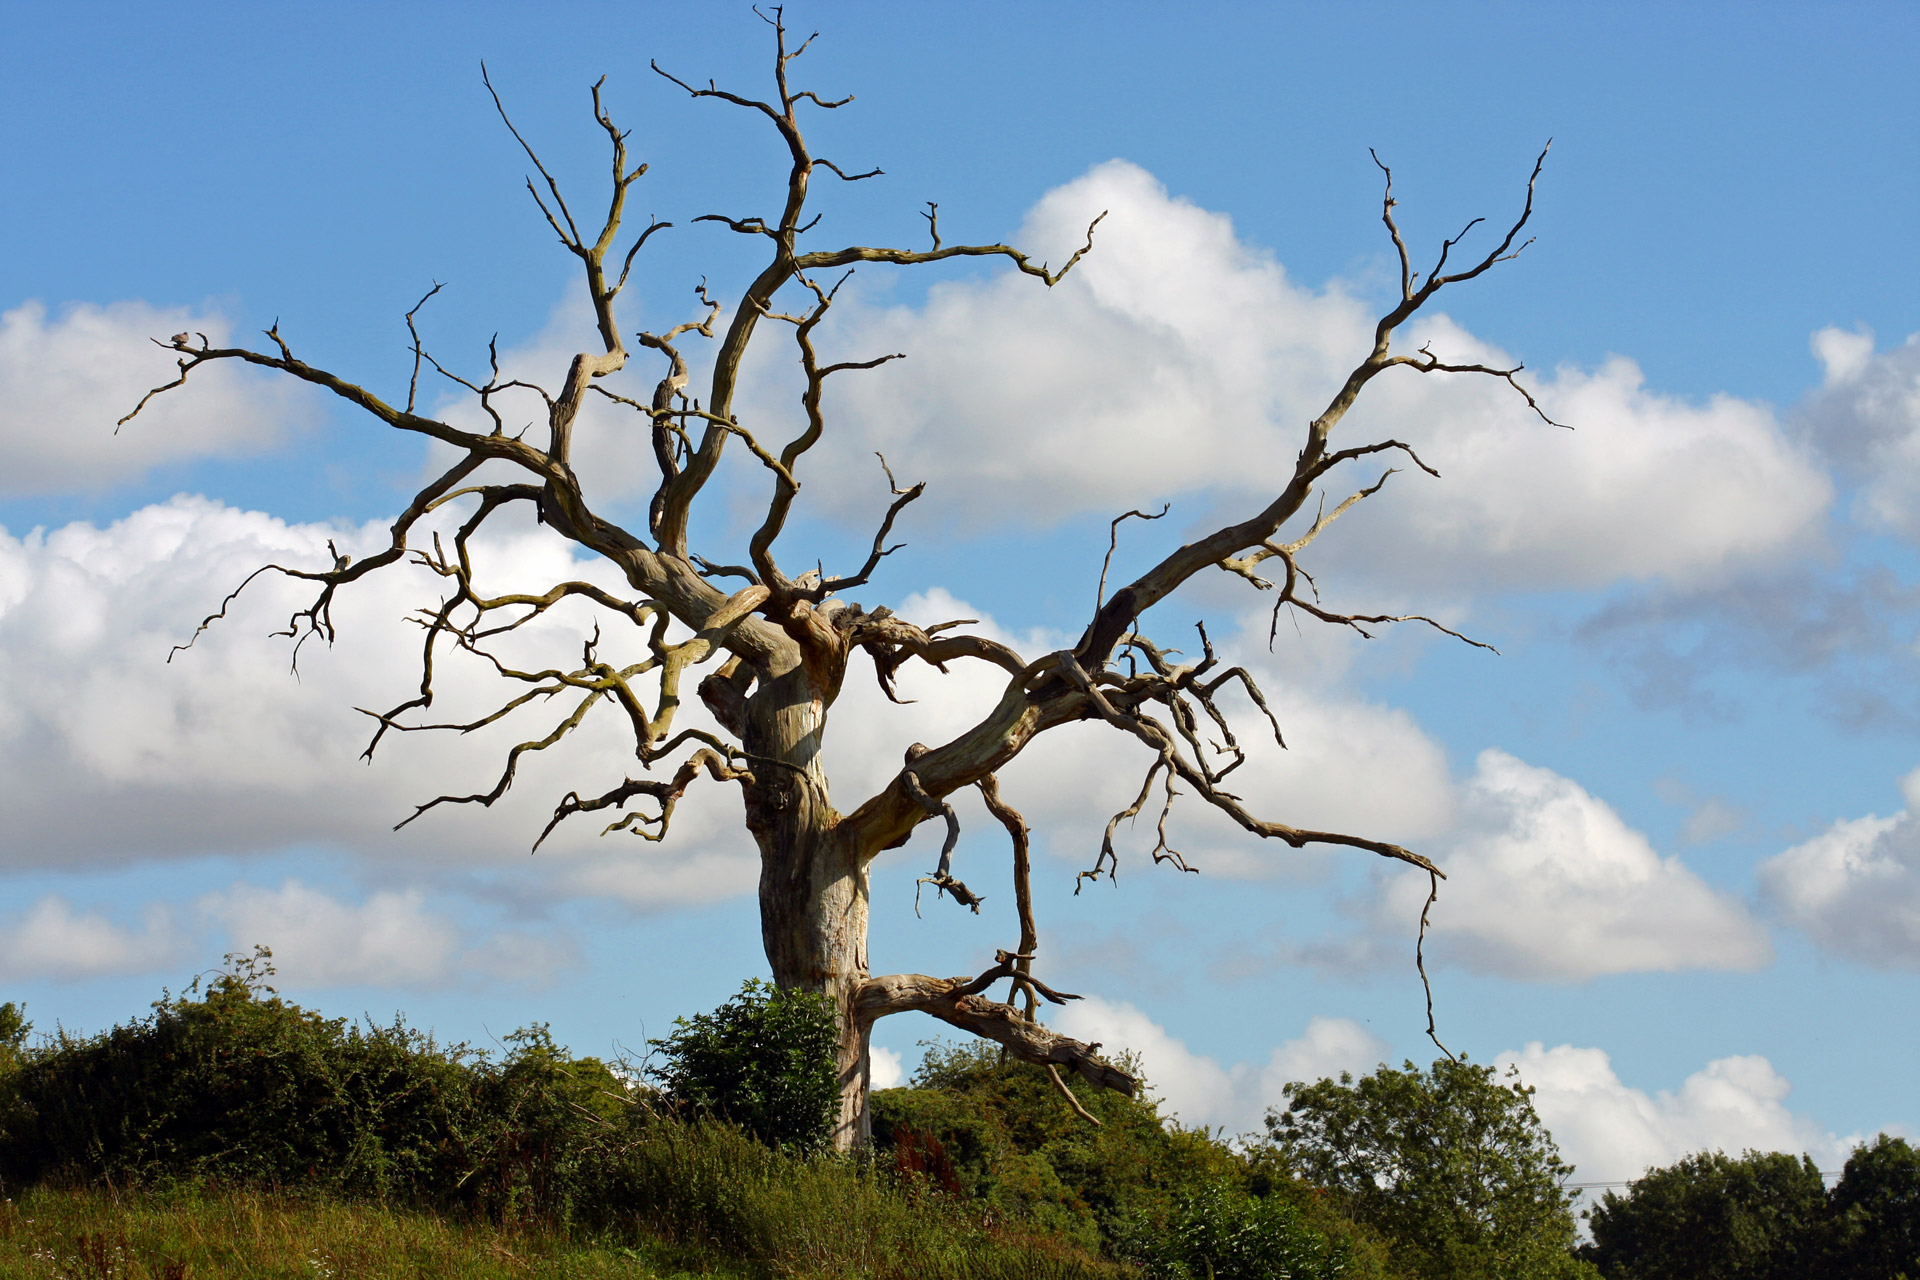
(763, 1060)
(1000, 1133)
(1713, 1217)
(768, 651)
(1451, 1165)
(1873, 1230)
(14, 1029)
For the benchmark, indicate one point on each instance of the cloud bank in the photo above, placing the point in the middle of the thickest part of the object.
(1178, 359)
(390, 938)
(112, 753)
(1612, 1132)
(69, 378)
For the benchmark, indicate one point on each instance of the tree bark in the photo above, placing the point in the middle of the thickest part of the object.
(813, 884)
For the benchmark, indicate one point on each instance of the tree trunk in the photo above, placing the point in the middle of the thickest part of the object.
(813, 889)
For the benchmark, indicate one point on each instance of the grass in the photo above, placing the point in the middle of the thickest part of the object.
(700, 1200)
(250, 1235)
(244, 1235)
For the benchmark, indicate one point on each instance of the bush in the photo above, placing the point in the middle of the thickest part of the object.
(14, 1029)
(1222, 1232)
(229, 1082)
(998, 1134)
(763, 1061)
(229, 1093)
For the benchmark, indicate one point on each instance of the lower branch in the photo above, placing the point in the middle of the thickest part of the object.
(948, 1000)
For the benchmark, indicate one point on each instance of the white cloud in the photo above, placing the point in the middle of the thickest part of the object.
(52, 940)
(65, 381)
(1843, 355)
(1329, 1047)
(391, 939)
(887, 1071)
(1611, 1132)
(1866, 415)
(1546, 882)
(1646, 485)
(1177, 358)
(388, 940)
(1196, 1088)
(109, 752)
(1855, 889)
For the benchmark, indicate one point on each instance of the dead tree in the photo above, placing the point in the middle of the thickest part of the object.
(770, 649)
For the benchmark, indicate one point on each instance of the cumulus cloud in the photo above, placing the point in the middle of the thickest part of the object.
(68, 378)
(1198, 1089)
(1855, 888)
(1611, 1132)
(391, 939)
(112, 752)
(388, 940)
(53, 940)
(1866, 416)
(1546, 882)
(887, 1071)
(1608, 1130)
(1028, 405)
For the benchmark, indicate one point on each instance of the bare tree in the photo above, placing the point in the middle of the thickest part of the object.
(772, 649)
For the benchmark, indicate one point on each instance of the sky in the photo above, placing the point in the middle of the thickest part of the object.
(1675, 809)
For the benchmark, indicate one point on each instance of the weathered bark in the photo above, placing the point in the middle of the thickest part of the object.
(813, 888)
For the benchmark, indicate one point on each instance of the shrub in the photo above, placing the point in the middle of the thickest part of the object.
(230, 1082)
(14, 1029)
(229, 1091)
(1220, 1231)
(1136, 1187)
(763, 1061)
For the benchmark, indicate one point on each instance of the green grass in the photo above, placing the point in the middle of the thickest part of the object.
(249, 1235)
(686, 1200)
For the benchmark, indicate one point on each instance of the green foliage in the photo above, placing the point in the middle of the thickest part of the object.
(998, 1134)
(1765, 1216)
(1873, 1229)
(231, 1233)
(230, 1082)
(713, 1186)
(714, 1203)
(1451, 1166)
(14, 1029)
(250, 1125)
(1220, 1231)
(763, 1060)
(1712, 1217)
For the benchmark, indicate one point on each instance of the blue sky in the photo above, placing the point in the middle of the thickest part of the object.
(1669, 905)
